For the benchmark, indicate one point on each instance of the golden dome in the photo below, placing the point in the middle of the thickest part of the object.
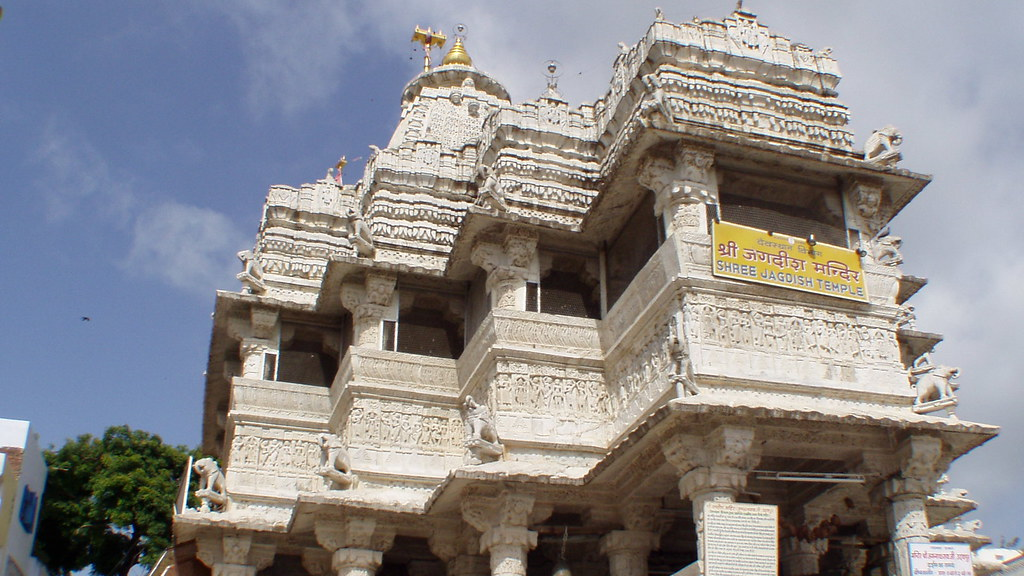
(457, 55)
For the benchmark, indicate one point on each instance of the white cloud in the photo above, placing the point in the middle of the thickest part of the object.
(185, 246)
(76, 179)
(294, 51)
(188, 247)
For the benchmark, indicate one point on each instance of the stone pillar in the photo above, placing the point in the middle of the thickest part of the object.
(368, 303)
(907, 494)
(233, 553)
(507, 266)
(256, 339)
(627, 550)
(683, 182)
(712, 468)
(457, 546)
(800, 557)
(503, 523)
(356, 544)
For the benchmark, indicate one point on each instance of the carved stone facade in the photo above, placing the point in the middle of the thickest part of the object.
(510, 347)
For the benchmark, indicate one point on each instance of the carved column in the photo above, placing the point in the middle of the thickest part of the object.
(368, 303)
(357, 544)
(627, 550)
(507, 266)
(233, 553)
(683, 182)
(712, 468)
(256, 339)
(503, 522)
(920, 469)
(800, 557)
(458, 549)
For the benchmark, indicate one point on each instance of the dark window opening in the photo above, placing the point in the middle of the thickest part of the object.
(788, 207)
(566, 293)
(427, 326)
(308, 354)
(635, 245)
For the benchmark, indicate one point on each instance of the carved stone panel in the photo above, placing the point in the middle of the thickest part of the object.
(742, 338)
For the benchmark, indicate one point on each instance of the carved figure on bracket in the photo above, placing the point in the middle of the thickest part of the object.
(360, 234)
(252, 276)
(335, 465)
(659, 97)
(211, 485)
(883, 146)
(481, 435)
(906, 317)
(868, 200)
(682, 369)
(489, 192)
(934, 386)
(884, 248)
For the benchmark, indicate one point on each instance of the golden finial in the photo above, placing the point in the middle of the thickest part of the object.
(430, 40)
(458, 54)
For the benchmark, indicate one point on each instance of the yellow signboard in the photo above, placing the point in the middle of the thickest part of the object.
(754, 255)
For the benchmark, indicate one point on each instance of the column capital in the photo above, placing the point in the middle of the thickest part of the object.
(316, 561)
(233, 551)
(716, 462)
(801, 557)
(357, 532)
(376, 289)
(920, 466)
(639, 541)
(519, 536)
(347, 560)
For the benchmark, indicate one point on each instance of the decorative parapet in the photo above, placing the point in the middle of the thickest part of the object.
(763, 84)
(278, 401)
(367, 366)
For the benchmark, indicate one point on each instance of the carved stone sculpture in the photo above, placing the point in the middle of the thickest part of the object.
(885, 249)
(934, 386)
(490, 194)
(682, 369)
(906, 317)
(883, 146)
(481, 435)
(211, 485)
(659, 97)
(335, 465)
(252, 276)
(360, 234)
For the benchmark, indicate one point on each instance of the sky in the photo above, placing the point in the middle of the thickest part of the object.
(138, 141)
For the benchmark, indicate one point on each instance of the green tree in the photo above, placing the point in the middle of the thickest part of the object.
(109, 502)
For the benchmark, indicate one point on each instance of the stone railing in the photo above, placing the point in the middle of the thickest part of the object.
(421, 374)
(264, 399)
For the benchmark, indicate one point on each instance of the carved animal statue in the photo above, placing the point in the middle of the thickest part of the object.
(479, 421)
(885, 249)
(935, 384)
(334, 456)
(210, 476)
(335, 465)
(883, 146)
(211, 484)
(252, 275)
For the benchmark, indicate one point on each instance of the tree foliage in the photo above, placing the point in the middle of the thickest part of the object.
(109, 502)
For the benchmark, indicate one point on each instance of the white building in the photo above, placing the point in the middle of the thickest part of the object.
(22, 480)
(665, 331)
